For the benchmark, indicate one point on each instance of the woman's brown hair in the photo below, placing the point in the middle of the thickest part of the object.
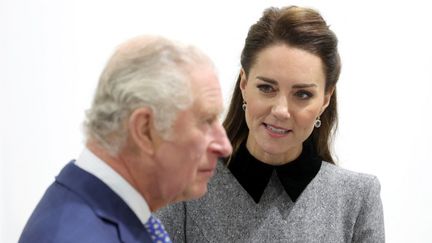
(302, 28)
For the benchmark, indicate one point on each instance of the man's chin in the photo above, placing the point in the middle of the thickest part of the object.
(192, 193)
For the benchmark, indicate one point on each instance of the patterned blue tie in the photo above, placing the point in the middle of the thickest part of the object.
(156, 230)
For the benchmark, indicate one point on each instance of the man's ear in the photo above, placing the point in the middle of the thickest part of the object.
(327, 98)
(140, 125)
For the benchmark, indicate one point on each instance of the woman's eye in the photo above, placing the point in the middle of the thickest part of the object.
(265, 88)
(304, 95)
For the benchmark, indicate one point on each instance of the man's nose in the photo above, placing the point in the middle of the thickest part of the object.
(221, 144)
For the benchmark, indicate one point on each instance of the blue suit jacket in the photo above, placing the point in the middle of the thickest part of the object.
(78, 207)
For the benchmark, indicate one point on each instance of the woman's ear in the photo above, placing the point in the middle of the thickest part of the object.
(243, 81)
(140, 125)
(327, 98)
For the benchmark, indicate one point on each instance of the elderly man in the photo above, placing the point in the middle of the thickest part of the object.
(153, 138)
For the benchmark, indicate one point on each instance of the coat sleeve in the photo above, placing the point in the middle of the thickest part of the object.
(369, 226)
(173, 217)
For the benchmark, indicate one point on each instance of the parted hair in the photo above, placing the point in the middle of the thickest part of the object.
(146, 71)
(298, 27)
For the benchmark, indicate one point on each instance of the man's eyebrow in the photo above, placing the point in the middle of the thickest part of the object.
(211, 112)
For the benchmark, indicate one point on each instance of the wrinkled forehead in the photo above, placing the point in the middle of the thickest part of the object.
(206, 89)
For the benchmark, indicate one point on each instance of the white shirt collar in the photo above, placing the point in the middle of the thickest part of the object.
(97, 167)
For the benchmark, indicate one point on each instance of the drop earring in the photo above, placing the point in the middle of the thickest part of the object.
(244, 105)
(317, 122)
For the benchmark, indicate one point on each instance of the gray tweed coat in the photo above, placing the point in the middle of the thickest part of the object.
(337, 206)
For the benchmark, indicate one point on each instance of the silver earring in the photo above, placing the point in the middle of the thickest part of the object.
(244, 105)
(317, 122)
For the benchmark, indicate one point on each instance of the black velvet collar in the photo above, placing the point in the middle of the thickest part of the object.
(254, 175)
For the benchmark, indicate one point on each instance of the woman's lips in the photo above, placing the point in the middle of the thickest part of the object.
(276, 131)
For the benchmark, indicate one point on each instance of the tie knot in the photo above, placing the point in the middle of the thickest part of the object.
(156, 230)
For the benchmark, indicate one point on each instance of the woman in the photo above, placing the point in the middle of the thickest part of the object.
(281, 183)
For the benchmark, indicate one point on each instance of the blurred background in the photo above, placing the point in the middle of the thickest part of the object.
(52, 52)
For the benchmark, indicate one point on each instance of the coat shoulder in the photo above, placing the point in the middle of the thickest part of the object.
(62, 216)
(344, 178)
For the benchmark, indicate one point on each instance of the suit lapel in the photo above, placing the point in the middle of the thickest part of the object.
(105, 203)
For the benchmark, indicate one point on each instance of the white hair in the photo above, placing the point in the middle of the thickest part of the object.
(144, 72)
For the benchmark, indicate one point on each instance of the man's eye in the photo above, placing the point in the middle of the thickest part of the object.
(265, 88)
(210, 120)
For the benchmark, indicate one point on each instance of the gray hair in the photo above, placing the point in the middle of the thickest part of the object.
(144, 72)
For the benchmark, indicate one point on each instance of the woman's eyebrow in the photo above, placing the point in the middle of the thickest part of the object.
(268, 80)
(295, 86)
(302, 86)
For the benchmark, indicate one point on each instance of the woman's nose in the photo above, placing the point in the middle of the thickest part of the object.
(280, 108)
